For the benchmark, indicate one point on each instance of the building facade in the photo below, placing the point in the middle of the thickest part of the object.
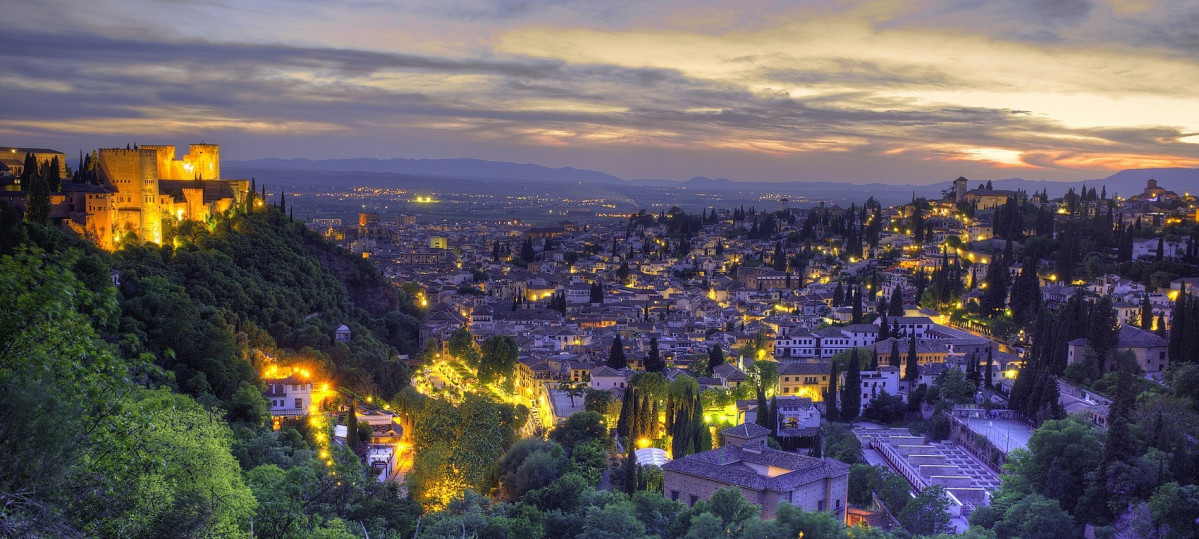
(765, 476)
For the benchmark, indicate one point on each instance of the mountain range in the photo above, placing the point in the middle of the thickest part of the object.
(1125, 182)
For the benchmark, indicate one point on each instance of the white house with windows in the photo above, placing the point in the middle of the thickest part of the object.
(289, 397)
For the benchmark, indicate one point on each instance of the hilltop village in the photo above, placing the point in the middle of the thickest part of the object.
(882, 367)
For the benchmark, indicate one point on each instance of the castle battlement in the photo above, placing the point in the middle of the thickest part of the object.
(150, 185)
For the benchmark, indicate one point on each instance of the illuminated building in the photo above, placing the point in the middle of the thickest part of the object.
(144, 185)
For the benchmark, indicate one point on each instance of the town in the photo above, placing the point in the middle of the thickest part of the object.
(886, 365)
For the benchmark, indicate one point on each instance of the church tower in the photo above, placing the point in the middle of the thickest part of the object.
(959, 189)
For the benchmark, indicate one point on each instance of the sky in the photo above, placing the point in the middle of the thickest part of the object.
(893, 91)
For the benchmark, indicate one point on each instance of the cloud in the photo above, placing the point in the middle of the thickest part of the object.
(840, 89)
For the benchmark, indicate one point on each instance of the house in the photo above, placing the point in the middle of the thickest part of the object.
(1151, 350)
(729, 375)
(606, 378)
(342, 334)
(765, 476)
(808, 380)
(927, 351)
(290, 396)
(797, 416)
(876, 382)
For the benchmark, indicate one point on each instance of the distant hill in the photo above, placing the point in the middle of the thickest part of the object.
(1125, 182)
(450, 168)
(1131, 182)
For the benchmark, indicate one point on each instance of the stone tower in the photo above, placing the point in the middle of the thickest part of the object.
(134, 174)
(959, 189)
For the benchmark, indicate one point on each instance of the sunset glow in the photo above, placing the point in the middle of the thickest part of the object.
(778, 91)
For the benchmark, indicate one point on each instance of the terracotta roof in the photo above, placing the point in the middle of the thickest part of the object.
(732, 465)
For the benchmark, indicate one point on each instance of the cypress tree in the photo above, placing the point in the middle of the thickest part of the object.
(701, 436)
(894, 360)
(884, 328)
(1146, 313)
(630, 472)
(857, 306)
(851, 392)
(352, 427)
(1178, 320)
(972, 373)
(627, 413)
(654, 362)
(526, 250)
(715, 357)
(990, 361)
(28, 171)
(838, 295)
(895, 306)
(282, 202)
(994, 296)
(911, 371)
(616, 358)
(830, 395)
(1104, 334)
(38, 205)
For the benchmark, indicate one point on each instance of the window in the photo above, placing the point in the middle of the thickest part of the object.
(299, 402)
(693, 499)
(1161, 355)
(674, 495)
(820, 505)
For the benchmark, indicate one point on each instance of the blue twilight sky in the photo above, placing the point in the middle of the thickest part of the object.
(902, 91)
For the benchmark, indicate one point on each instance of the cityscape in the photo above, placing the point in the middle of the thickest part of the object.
(549, 319)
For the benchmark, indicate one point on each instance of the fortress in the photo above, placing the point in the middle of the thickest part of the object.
(140, 187)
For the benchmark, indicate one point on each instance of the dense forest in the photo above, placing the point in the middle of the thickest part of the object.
(130, 389)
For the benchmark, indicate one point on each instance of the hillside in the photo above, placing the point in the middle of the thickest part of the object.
(138, 409)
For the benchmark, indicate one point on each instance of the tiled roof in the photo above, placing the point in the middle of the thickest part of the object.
(731, 465)
(1138, 338)
(746, 431)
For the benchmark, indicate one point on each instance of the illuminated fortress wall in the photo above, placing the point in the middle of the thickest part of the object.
(150, 184)
(202, 161)
(134, 174)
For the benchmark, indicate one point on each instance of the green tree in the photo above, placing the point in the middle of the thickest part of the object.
(184, 477)
(631, 470)
(1175, 510)
(616, 357)
(830, 395)
(588, 459)
(654, 361)
(38, 202)
(1061, 453)
(851, 394)
(840, 443)
(927, 513)
(461, 345)
(895, 306)
(528, 465)
(614, 521)
(1035, 517)
(715, 357)
(580, 428)
(247, 405)
(498, 361)
(911, 369)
